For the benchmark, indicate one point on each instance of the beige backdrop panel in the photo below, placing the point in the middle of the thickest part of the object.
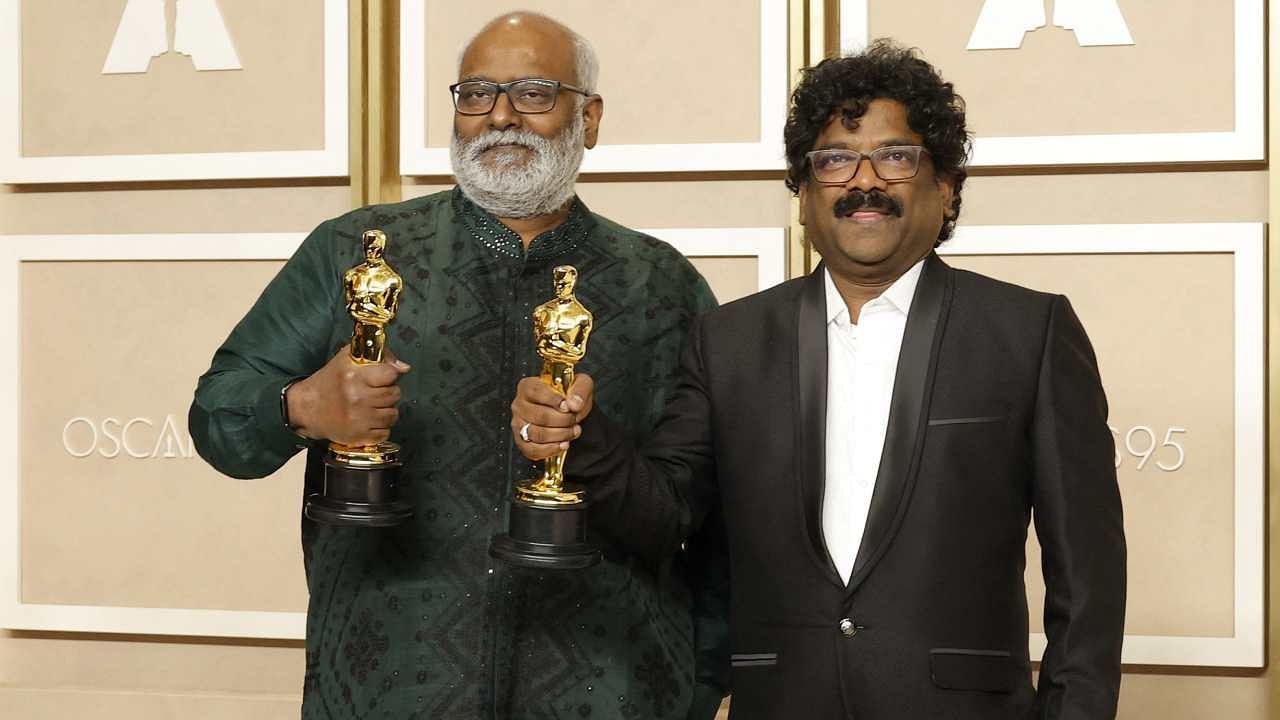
(164, 530)
(70, 108)
(47, 675)
(671, 71)
(1162, 327)
(729, 277)
(1177, 77)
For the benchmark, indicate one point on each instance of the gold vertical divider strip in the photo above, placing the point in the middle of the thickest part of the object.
(815, 34)
(817, 31)
(1272, 271)
(375, 102)
(382, 87)
(831, 26)
(357, 125)
(390, 184)
(798, 252)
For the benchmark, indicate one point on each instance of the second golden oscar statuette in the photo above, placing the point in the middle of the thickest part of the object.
(548, 522)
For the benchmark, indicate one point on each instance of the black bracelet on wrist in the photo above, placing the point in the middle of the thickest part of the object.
(303, 440)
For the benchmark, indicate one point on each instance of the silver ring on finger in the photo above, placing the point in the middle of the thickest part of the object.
(524, 433)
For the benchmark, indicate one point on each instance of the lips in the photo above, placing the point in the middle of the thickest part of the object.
(866, 215)
(504, 154)
(506, 146)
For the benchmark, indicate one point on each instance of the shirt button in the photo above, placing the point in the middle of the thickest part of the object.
(847, 628)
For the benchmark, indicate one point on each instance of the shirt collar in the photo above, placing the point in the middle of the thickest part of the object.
(488, 230)
(899, 294)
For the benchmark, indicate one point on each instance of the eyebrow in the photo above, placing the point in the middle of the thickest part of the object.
(485, 78)
(892, 142)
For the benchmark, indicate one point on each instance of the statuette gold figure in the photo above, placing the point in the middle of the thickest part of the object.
(561, 328)
(373, 293)
(547, 525)
(361, 482)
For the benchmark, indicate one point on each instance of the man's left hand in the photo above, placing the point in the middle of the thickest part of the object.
(543, 421)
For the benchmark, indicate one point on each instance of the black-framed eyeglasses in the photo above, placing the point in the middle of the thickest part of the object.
(837, 166)
(528, 96)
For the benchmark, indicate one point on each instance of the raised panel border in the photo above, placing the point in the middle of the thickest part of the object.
(1244, 241)
(766, 154)
(330, 161)
(1246, 142)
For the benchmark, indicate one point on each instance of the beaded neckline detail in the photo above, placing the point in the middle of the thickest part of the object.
(487, 230)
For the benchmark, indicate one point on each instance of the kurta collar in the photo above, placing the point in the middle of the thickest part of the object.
(487, 230)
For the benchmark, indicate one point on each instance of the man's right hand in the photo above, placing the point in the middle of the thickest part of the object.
(348, 403)
(552, 419)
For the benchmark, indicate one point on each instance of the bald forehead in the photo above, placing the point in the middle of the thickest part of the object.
(520, 45)
(526, 22)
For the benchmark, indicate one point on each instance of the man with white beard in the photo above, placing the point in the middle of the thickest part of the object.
(416, 621)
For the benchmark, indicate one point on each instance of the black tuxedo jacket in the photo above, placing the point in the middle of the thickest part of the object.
(997, 414)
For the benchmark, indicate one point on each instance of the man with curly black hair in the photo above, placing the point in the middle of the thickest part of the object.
(846, 87)
(877, 436)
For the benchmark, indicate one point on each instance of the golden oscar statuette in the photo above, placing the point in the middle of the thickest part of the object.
(547, 527)
(361, 481)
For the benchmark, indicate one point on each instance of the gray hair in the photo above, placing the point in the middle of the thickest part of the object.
(586, 65)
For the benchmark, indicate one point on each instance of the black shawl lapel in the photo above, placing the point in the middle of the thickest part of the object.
(811, 430)
(912, 389)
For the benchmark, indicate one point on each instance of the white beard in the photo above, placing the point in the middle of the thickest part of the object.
(502, 185)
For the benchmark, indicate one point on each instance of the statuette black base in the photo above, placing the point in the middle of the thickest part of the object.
(359, 496)
(549, 537)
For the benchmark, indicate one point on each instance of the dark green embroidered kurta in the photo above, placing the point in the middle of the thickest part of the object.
(417, 621)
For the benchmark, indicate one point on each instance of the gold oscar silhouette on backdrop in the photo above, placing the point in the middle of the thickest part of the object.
(360, 481)
(547, 525)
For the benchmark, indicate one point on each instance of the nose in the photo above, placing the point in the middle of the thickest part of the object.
(503, 116)
(864, 177)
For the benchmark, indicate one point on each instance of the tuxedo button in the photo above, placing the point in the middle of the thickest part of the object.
(847, 628)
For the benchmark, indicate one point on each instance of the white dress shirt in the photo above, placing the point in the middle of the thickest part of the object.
(862, 362)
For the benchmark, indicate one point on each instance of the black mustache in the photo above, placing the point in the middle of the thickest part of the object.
(874, 200)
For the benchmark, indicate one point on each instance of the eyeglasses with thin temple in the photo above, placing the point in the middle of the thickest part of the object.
(837, 166)
(528, 96)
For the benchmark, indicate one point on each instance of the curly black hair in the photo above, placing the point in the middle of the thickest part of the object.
(885, 70)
